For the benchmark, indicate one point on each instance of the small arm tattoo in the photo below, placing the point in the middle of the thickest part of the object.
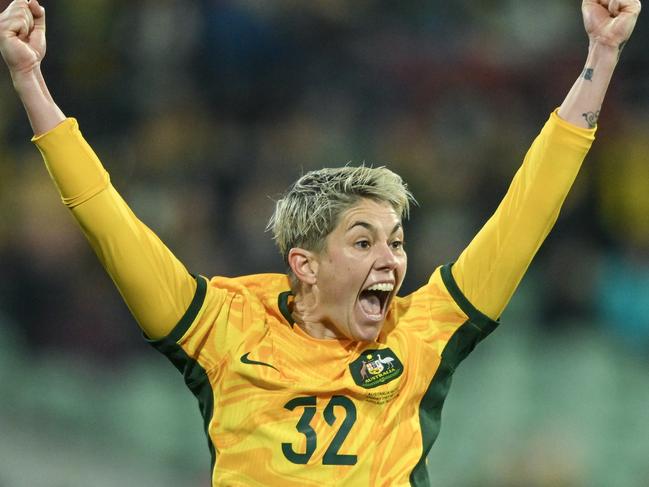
(591, 118)
(588, 74)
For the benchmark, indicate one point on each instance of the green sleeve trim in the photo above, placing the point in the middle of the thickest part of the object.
(461, 343)
(198, 382)
(187, 319)
(194, 374)
(479, 319)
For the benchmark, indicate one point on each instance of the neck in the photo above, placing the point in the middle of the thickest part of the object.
(305, 316)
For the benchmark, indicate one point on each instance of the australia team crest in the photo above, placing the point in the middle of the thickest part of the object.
(375, 368)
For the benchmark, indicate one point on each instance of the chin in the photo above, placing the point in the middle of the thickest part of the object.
(366, 333)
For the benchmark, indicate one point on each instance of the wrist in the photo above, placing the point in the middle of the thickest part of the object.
(604, 46)
(602, 54)
(25, 81)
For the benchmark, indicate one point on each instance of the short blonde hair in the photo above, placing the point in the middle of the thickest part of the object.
(311, 208)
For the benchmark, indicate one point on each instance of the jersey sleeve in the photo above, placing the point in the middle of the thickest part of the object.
(154, 284)
(491, 267)
(217, 320)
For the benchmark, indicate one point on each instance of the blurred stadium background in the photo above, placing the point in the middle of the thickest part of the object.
(203, 111)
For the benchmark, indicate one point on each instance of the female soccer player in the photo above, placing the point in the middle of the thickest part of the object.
(322, 376)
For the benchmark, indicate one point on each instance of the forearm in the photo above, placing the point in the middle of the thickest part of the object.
(490, 268)
(583, 103)
(155, 285)
(42, 111)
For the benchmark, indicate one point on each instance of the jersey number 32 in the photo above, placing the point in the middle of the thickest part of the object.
(331, 456)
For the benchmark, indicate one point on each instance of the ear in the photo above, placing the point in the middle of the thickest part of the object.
(304, 265)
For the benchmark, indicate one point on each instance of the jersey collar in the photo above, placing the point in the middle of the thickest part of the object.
(283, 304)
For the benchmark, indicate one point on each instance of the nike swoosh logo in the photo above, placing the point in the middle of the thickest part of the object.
(246, 360)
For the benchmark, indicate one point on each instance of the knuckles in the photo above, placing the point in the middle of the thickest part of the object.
(11, 18)
(631, 6)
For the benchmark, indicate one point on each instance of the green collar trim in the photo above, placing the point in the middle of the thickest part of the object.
(282, 303)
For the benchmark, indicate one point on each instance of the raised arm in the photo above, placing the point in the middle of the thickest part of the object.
(155, 285)
(22, 44)
(491, 267)
(609, 24)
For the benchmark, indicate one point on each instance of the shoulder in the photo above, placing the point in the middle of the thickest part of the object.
(253, 284)
(261, 291)
(432, 296)
(435, 306)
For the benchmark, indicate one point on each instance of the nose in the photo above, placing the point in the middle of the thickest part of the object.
(385, 258)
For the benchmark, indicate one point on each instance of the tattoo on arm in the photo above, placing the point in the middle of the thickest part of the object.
(591, 118)
(588, 74)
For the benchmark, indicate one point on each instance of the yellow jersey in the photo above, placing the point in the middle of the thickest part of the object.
(280, 407)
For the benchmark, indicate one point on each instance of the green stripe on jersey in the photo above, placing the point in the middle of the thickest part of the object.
(193, 373)
(192, 311)
(463, 341)
(479, 319)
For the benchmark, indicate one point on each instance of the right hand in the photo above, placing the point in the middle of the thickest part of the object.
(22, 35)
(610, 22)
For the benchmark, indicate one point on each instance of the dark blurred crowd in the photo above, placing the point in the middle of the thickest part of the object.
(205, 111)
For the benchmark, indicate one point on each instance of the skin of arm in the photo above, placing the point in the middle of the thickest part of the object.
(491, 267)
(22, 44)
(609, 24)
(155, 285)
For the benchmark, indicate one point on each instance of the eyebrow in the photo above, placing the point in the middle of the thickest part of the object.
(372, 228)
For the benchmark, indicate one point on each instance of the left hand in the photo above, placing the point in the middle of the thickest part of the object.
(22, 35)
(610, 22)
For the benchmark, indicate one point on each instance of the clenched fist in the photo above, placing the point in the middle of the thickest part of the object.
(610, 22)
(22, 35)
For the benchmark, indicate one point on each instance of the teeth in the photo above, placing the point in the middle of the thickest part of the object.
(382, 286)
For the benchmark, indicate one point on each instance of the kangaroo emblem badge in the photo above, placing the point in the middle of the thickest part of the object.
(375, 368)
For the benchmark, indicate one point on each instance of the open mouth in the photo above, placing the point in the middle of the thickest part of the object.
(374, 299)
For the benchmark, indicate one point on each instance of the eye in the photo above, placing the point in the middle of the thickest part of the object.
(362, 244)
(397, 244)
